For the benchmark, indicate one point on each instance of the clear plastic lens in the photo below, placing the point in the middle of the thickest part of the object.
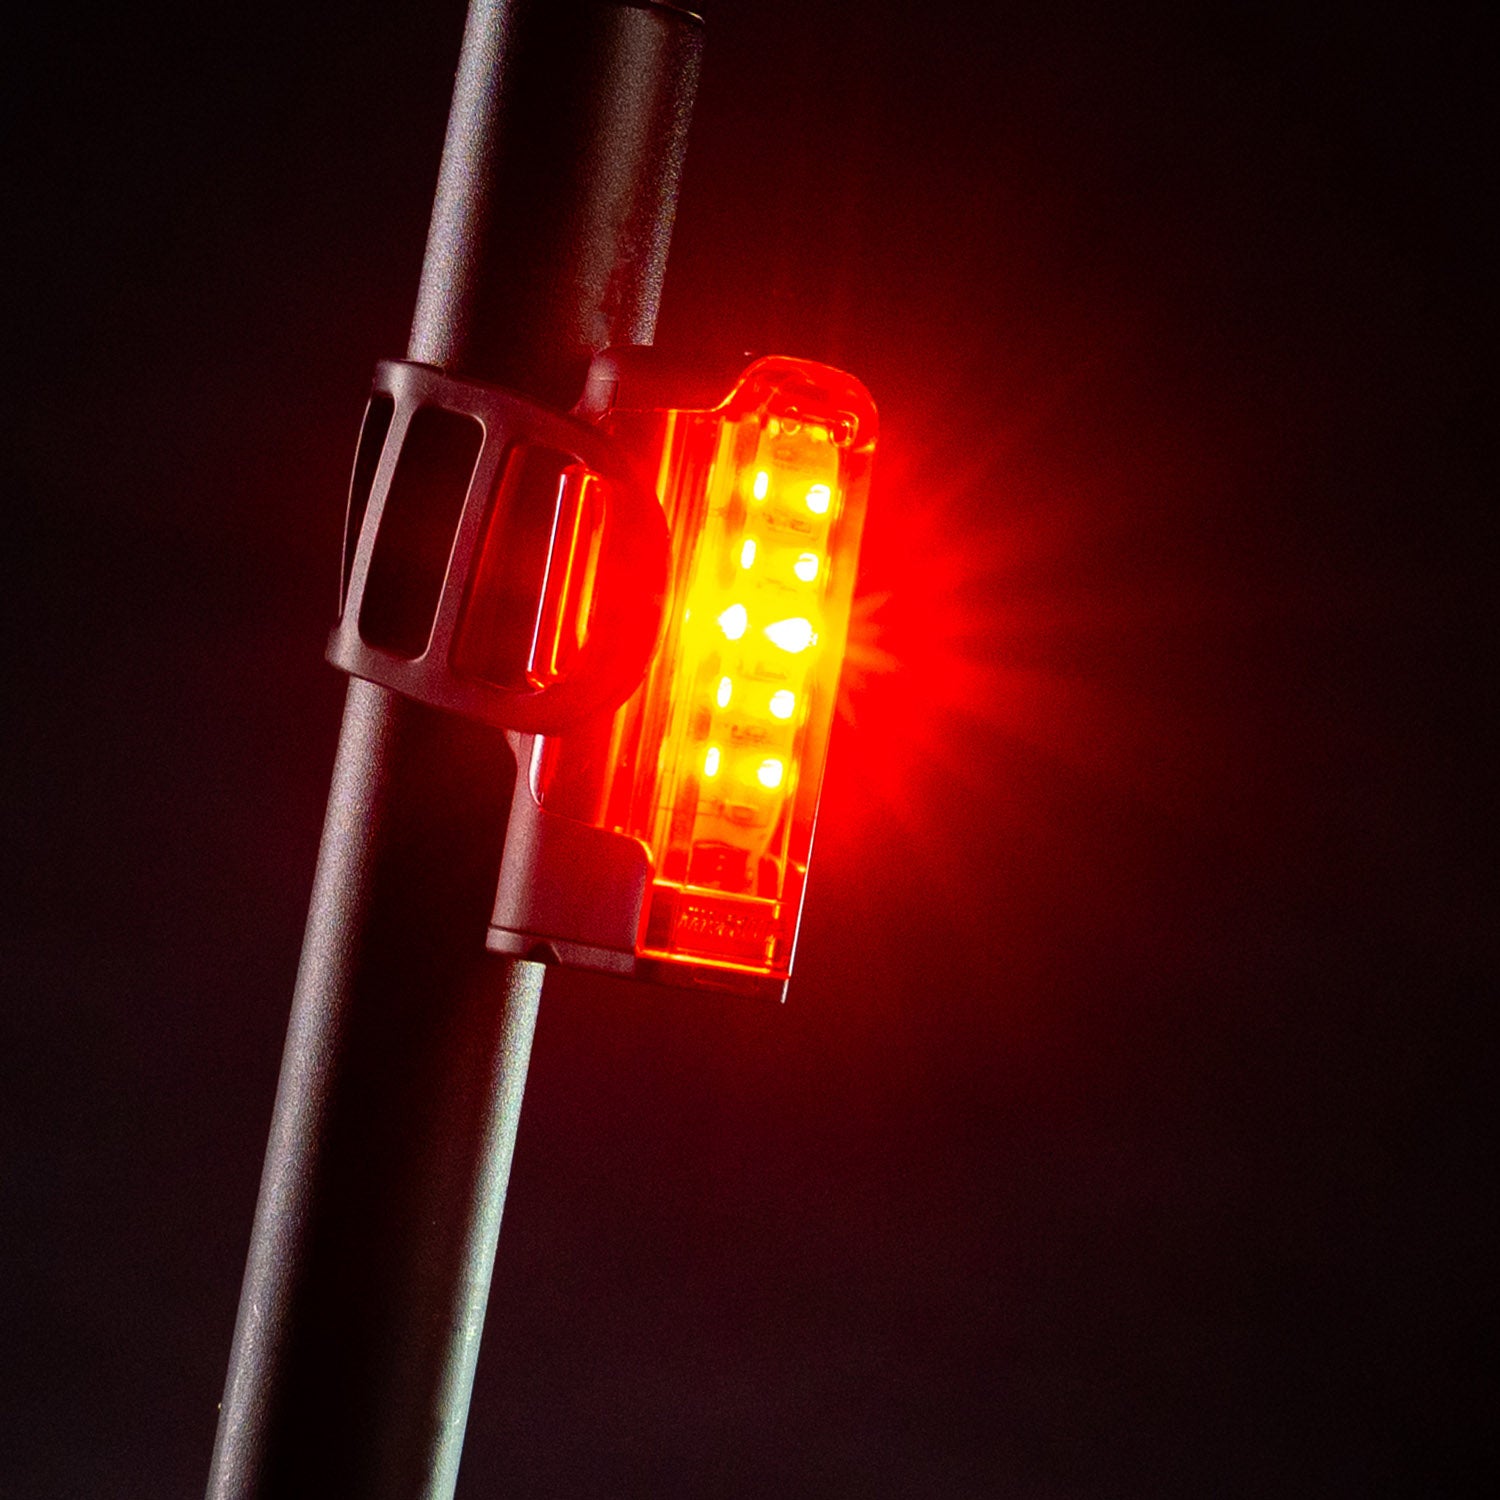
(717, 761)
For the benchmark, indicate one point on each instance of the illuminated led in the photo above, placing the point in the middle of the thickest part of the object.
(715, 763)
(792, 635)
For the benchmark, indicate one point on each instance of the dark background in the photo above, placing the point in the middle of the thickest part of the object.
(1121, 1133)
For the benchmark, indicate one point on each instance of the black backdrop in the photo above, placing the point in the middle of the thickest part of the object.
(1120, 1134)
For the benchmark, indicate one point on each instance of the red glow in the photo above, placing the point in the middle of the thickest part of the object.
(995, 608)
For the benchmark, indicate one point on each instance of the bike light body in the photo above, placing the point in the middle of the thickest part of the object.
(672, 841)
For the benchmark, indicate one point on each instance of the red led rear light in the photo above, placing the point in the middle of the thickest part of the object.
(711, 771)
(720, 756)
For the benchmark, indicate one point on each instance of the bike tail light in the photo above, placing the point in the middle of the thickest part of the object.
(713, 768)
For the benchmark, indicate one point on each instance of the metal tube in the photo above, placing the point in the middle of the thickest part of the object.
(407, 1050)
(557, 190)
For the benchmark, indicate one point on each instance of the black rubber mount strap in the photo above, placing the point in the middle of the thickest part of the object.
(630, 584)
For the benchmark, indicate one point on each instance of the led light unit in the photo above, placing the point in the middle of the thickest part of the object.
(712, 769)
